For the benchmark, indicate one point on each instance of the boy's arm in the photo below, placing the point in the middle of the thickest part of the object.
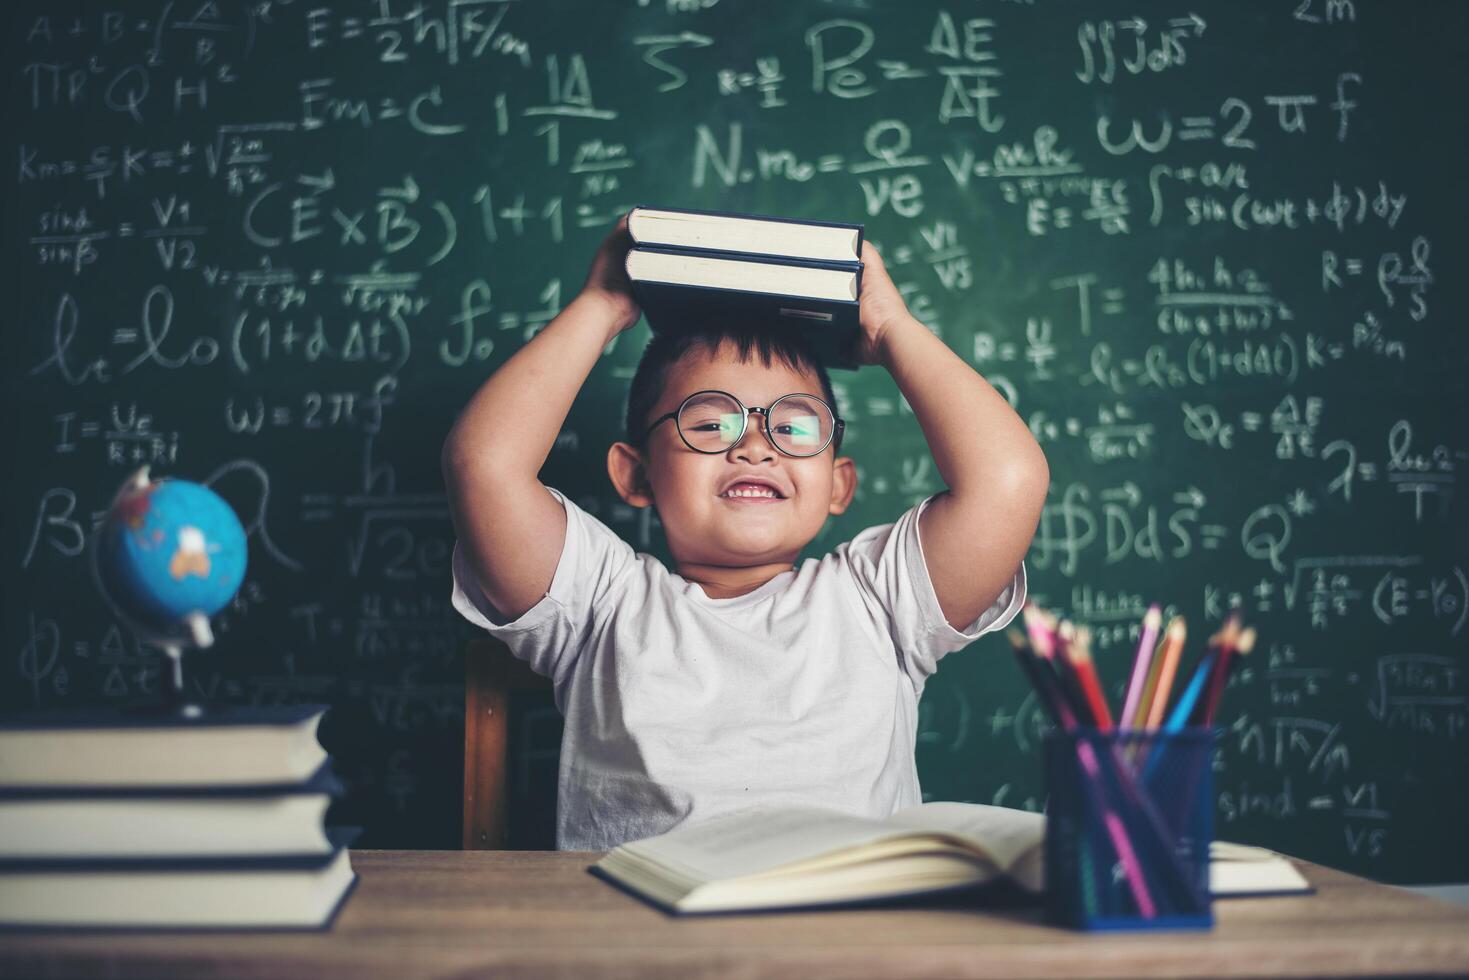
(511, 528)
(977, 531)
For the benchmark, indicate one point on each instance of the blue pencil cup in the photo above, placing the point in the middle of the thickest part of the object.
(1129, 818)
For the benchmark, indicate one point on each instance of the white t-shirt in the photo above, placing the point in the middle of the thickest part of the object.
(682, 707)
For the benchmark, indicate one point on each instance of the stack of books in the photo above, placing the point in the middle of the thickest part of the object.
(149, 819)
(689, 267)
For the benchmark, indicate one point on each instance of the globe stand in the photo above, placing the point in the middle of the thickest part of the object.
(175, 700)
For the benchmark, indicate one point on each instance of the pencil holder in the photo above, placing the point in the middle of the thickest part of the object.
(1129, 819)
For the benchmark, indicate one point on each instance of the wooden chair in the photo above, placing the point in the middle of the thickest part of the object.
(491, 674)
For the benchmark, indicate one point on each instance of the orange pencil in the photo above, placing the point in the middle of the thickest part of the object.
(1150, 680)
(1168, 668)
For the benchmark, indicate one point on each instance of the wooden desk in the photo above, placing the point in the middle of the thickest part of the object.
(476, 913)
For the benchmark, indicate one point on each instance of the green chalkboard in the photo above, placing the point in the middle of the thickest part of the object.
(1209, 253)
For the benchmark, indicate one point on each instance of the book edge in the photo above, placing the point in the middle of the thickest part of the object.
(322, 781)
(325, 925)
(752, 258)
(121, 719)
(340, 839)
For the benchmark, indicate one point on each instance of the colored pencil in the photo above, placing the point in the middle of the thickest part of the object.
(1157, 702)
(1243, 644)
(1079, 659)
(1048, 690)
(1140, 663)
(1184, 709)
(1042, 638)
(1042, 680)
(1071, 683)
(1228, 636)
(1150, 682)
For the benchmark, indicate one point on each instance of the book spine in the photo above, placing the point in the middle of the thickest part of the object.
(631, 214)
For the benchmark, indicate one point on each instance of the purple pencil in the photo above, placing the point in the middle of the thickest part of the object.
(1152, 620)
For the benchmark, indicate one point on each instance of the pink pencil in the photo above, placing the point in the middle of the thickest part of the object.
(1132, 869)
(1042, 638)
(1140, 663)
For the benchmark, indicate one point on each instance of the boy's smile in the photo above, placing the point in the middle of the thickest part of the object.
(737, 518)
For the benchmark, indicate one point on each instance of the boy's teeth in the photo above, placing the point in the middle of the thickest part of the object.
(747, 490)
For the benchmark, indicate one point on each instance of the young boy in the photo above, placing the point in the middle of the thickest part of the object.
(734, 679)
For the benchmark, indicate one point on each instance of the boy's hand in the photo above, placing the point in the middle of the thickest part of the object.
(607, 280)
(880, 306)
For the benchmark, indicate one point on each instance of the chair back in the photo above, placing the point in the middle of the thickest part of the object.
(491, 676)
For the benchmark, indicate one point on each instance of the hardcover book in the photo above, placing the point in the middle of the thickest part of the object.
(691, 267)
(226, 892)
(81, 823)
(226, 746)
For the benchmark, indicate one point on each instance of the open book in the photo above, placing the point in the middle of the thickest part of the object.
(763, 858)
(1242, 870)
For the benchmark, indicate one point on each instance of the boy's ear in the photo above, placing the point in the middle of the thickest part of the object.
(629, 473)
(843, 483)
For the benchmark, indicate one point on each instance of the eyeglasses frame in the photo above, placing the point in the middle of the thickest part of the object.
(834, 439)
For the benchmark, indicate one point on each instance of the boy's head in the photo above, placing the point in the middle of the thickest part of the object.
(703, 524)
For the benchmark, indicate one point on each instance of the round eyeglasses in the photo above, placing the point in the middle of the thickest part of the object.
(712, 421)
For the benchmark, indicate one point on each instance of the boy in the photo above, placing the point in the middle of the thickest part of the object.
(737, 679)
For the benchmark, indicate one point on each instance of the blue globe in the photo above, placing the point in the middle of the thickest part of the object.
(169, 554)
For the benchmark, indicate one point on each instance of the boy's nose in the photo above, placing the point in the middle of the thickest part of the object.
(755, 443)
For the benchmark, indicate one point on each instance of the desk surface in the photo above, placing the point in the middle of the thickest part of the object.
(463, 913)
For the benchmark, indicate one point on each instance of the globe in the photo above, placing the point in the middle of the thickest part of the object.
(169, 555)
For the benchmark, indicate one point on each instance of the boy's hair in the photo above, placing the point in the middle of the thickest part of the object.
(665, 349)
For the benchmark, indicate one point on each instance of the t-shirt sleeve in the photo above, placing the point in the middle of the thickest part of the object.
(548, 635)
(888, 565)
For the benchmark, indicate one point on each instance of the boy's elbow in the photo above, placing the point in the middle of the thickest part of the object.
(1026, 467)
(1040, 473)
(1030, 479)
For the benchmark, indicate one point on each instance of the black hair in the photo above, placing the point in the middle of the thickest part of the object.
(769, 342)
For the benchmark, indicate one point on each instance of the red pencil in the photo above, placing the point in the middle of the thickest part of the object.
(1243, 645)
(1228, 637)
(1079, 659)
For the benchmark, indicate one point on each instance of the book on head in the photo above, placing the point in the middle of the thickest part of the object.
(758, 234)
(696, 267)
